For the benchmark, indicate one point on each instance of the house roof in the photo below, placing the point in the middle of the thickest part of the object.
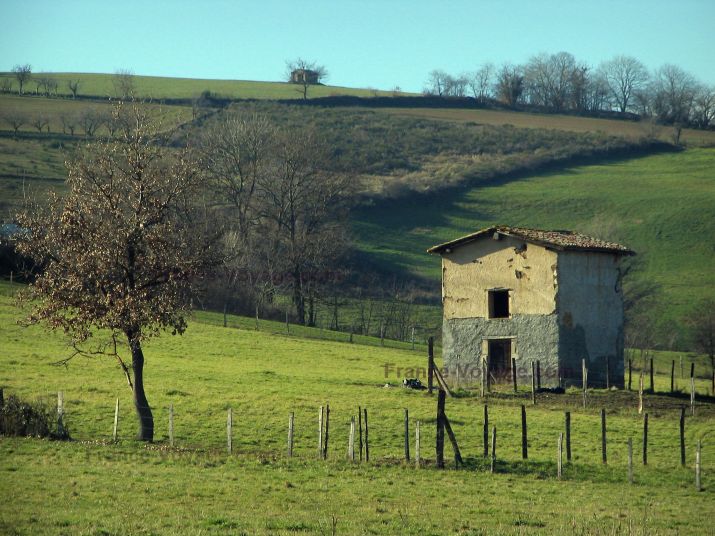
(559, 240)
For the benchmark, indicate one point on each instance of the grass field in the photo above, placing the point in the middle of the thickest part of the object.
(613, 127)
(661, 206)
(92, 486)
(157, 87)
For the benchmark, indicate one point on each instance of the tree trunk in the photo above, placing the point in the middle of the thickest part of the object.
(298, 298)
(146, 419)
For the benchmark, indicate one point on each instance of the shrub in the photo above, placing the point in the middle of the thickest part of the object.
(21, 418)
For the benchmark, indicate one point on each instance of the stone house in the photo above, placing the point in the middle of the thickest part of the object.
(304, 76)
(513, 295)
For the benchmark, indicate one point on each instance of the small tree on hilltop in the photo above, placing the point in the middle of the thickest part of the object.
(23, 74)
(305, 73)
(121, 251)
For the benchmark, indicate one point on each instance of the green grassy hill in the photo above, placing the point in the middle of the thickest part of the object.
(158, 87)
(661, 206)
(56, 487)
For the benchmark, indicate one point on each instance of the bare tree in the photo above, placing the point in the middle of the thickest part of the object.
(704, 106)
(16, 120)
(23, 74)
(40, 121)
(124, 84)
(73, 86)
(673, 94)
(702, 323)
(548, 79)
(91, 119)
(509, 84)
(69, 123)
(5, 84)
(305, 73)
(120, 251)
(437, 83)
(481, 82)
(625, 76)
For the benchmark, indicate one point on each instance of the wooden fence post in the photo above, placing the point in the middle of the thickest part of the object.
(116, 421)
(652, 373)
(682, 436)
(60, 413)
(488, 383)
(367, 444)
(360, 430)
(430, 364)
(453, 439)
(672, 376)
(320, 432)
(291, 427)
(441, 396)
(171, 425)
(524, 449)
(645, 439)
(229, 431)
(494, 448)
(630, 367)
(407, 436)
(640, 393)
(417, 444)
(567, 418)
(538, 375)
(584, 380)
(559, 456)
(486, 431)
(692, 395)
(604, 458)
(698, 487)
(513, 372)
(630, 460)
(533, 383)
(351, 440)
(327, 431)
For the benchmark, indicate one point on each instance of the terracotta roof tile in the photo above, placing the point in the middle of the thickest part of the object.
(562, 240)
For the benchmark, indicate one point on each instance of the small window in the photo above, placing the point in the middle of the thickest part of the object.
(498, 304)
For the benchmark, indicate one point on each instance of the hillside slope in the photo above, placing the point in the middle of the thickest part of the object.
(661, 206)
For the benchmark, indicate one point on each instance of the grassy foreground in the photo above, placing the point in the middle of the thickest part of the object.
(92, 486)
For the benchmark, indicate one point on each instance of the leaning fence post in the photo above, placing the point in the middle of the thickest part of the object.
(407, 436)
(524, 451)
(229, 431)
(682, 436)
(116, 420)
(430, 364)
(417, 444)
(60, 413)
(291, 424)
(567, 418)
(698, 487)
(604, 458)
(441, 396)
(645, 439)
(630, 460)
(171, 425)
(559, 456)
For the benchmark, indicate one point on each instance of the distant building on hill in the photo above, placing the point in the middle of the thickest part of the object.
(304, 76)
(513, 295)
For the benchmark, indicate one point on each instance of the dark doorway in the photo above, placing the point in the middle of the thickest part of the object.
(500, 359)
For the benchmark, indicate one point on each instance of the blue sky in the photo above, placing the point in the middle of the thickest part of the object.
(369, 43)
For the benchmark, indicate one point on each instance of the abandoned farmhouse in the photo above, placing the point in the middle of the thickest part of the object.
(514, 295)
